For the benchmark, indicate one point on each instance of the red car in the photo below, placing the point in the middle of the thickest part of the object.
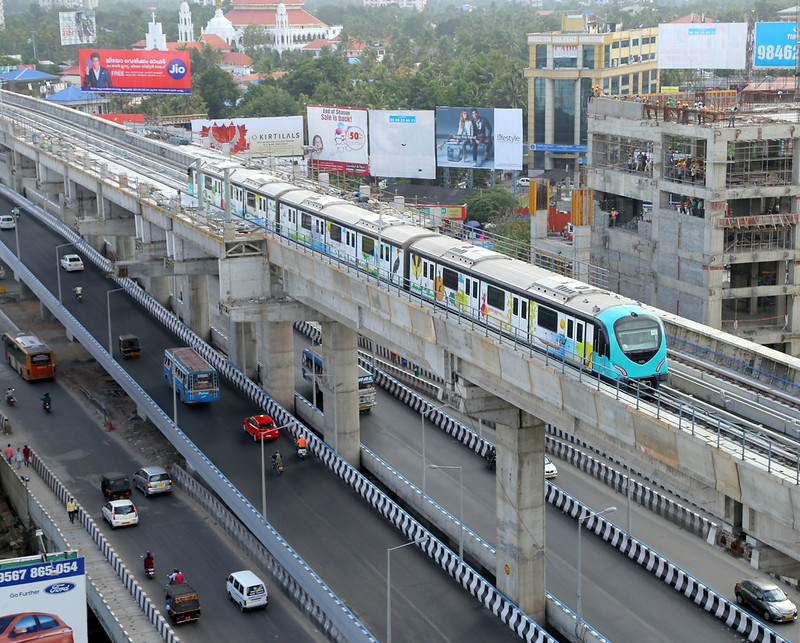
(34, 626)
(261, 427)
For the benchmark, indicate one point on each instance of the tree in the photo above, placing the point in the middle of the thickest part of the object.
(218, 90)
(482, 205)
(266, 99)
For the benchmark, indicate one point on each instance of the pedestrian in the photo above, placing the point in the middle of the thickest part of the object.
(19, 458)
(9, 453)
(72, 510)
(26, 453)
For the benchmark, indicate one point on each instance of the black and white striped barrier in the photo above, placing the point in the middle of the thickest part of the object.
(660, 567)
(128, 580)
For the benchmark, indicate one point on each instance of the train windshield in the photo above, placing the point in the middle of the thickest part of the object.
(638, 336)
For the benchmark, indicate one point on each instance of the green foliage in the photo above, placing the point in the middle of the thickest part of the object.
(483, 205)
(266, 99)
(516, 227)
(218, 91)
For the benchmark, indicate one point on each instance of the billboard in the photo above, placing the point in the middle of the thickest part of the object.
(139, 72)
(704, 45)
(485, 138)
(45, 597)
(401, 144)
(77, 27)
(274, 136)
(339, 136)
(775, 44)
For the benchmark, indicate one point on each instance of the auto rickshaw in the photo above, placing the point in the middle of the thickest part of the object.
(115, 486)
(183, 603)
(129, 346)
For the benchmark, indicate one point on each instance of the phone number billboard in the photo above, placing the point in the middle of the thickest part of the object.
(47, 598)
(138, 72)
(775, 44)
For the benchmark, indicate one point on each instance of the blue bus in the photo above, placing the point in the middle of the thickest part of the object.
(195, 379)
(366, 383)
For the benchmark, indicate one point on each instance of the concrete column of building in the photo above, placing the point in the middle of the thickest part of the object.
(276, 357)
(753, 300)
(242, 347)
(521, 514)
(339, 352)
(195, 310)
(577, 114)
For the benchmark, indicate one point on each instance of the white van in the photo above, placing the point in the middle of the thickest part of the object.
(247, 590)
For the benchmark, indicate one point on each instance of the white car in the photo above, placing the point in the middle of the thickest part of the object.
(523, 182)
(71, 263)
(120, 513)
(550, 470)
(7, 222)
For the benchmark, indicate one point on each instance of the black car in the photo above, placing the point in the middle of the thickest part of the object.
(765, 598)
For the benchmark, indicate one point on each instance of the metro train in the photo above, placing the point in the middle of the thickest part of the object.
(583, 325)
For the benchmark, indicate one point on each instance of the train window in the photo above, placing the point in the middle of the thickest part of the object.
(579, 336)
(336, 233)
(548, 319)
(450, 279)
(251, 200)
(515, 307)
(570, 329)
(496, 298)
(209, 182)
(524, 310)
(305, 221)
(475, 289)
(601, 343)
(467, 283)
(368, 246)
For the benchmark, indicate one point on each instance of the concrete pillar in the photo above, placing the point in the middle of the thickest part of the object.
(521, 514)
(276, 356)
(158, 287)
(339, 352)
(242, 347)
(196, 314)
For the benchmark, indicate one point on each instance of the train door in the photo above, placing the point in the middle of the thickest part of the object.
(584, 341)
(519, 317)
(385, 260)
(273, 217)
(288, 221)
(470, 299)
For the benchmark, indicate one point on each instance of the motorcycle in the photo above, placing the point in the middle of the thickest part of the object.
(78, 295)
(149, 567)
(10, 399)
(277, 464)
(46, 406)
(302, 452)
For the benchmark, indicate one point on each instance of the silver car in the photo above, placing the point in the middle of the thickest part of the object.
(766, 599)
(150, 480)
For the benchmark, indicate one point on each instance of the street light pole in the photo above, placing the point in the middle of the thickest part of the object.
(424, 486)
(263, 483)
(58, 266)
(583, 517)
(108, 309)
(15, 214)
(460, 504)
(389, 551)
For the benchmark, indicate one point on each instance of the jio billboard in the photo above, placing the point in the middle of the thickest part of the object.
(775, 44)
(43, 601)
(135, 72)
(702, 45)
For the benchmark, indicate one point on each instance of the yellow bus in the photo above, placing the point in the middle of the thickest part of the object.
(28, 355)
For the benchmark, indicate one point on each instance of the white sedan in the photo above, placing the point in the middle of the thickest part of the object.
(7, 222)
(71, 263)
(120, 513)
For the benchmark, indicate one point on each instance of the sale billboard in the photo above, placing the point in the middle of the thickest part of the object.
(139, 71)
(339, 138)
(704, 45)
(401, 144)
(268, 136)
(77, 27)
(479, 137)
(47, 598)
(775, 44)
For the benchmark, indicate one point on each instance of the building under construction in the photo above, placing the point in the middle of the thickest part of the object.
(696, 210)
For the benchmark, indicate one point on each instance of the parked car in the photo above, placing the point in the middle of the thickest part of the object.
(766, 599)
(120, 513)
(247, 590)
(71, 263)
(7, 222)
(150, 480)
(261, 427)
(523, 182)
(34, 626)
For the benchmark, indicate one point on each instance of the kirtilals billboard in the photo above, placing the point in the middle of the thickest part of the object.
(339, 138)
(268, 136)
(401, 144)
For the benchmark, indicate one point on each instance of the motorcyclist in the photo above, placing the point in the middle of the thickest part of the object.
(9, 394)
(301, 443)
(46, 400)
(149, 561)
(176, 577)
(78, 290)
(277, 460)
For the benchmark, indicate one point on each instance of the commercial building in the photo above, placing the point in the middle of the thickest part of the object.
(696, 210)
(567, 68)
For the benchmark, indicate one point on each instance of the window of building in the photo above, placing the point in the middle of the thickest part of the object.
(606, 56)
(760, 162)
(588, 56)
(585, 92)
(564, 111)
(541, 56)
(635, 88)
(684, 159)
(539, 99)
(615, 86)
(623, 153)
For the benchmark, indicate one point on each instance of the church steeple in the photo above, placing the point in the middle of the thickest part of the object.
(283, 35)
(185, 27)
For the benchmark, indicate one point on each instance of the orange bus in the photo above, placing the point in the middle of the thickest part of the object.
(29, 356)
